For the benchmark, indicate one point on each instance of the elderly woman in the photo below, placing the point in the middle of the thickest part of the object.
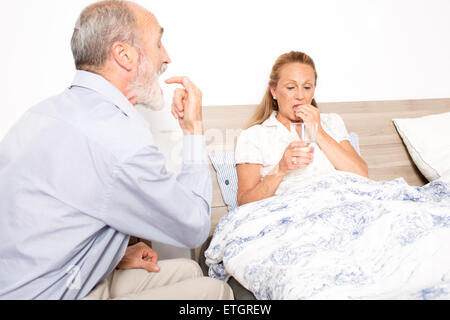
(267, 158)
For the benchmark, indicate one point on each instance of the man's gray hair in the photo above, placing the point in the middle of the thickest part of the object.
(98, 27)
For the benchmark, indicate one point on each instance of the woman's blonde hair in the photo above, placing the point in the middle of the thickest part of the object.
(268, 104)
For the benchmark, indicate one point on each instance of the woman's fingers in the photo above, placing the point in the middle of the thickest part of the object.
(299, 163)
(308, 113)
(297, 144)
(303, 156)
(298, 159)
(297, 155)
(300, 146)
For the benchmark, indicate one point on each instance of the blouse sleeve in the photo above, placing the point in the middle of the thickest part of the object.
(337, 127)
(247, 147)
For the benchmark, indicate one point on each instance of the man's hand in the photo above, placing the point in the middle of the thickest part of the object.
(187, 106)
(139, 256)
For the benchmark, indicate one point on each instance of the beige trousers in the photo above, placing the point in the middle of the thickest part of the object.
(178, 279)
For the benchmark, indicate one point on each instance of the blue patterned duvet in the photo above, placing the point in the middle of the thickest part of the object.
(339, 236)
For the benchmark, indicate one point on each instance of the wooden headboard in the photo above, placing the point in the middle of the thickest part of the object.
(381, 146)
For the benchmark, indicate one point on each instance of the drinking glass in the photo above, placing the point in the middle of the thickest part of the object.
(305, 132)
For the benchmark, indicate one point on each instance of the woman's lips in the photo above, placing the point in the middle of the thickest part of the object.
(296, 107)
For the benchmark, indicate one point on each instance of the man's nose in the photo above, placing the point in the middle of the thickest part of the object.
(166, 57)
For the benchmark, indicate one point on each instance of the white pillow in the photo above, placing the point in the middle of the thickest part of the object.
(428, 142)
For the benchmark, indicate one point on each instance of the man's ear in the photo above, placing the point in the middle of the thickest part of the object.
(124, 55)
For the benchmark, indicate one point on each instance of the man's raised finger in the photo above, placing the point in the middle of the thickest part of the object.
(184, 81)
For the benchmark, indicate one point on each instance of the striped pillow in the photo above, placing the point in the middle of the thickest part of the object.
(223, 162)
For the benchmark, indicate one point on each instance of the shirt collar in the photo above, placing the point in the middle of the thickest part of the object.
(272, 121)
(102, 86)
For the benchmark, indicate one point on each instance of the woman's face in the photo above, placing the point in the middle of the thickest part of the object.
(295, 87)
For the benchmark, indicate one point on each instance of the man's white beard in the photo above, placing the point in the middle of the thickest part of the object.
(145, 87)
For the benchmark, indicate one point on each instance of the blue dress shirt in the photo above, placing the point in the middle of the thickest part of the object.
(79, 174)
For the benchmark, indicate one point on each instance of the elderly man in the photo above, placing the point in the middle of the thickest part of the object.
(80, 172)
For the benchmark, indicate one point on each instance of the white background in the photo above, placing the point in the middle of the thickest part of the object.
(364, 50)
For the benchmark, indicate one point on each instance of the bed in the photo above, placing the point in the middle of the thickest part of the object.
(384, 149)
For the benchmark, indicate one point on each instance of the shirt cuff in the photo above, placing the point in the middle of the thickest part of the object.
(194, 149)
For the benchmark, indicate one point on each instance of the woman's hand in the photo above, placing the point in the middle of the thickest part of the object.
(309, 114)
(342, 155)
(298, 155)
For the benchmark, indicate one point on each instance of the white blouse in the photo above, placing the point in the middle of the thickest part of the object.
(266, 143)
